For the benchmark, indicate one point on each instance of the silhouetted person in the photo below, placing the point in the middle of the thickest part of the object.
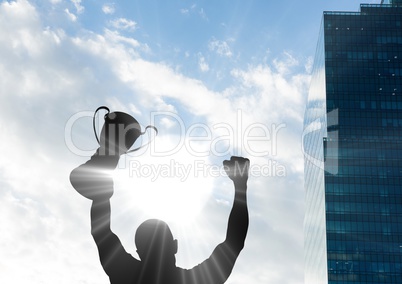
(155, 244)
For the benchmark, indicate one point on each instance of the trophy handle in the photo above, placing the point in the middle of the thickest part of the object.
(145, 130)
(93, 120)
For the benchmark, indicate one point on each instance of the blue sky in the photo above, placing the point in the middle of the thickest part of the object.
(217, 78)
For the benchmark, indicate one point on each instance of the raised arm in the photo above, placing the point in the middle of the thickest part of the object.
(114, 259)
(94, 181)
(217, 268)
(237, 170)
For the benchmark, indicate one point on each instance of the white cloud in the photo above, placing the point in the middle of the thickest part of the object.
(202, 13)
(202, 64)
(184, 11)
(70, 15)
(309, 64)
(108, 9)
(48, 75)
(220, 47)
(123, 24)
(79, 8)
(117, 38)
(192, 10)
(284, 66)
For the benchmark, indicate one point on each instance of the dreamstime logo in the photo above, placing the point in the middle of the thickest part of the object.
(221, 139)
(323, 130)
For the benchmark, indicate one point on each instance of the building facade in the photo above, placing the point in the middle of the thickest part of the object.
(353, 149)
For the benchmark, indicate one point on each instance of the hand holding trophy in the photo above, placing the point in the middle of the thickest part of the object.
(119, 132)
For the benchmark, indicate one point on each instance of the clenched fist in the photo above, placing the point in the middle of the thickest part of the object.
(237, 168)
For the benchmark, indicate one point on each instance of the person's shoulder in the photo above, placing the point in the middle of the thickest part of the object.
(184, 272)
(131, 259)
(191, 274)
(123, 267)
(181, 269)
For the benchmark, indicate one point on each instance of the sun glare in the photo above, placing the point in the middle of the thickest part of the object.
(169, 190)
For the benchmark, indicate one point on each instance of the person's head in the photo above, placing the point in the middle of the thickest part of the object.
(154, 241)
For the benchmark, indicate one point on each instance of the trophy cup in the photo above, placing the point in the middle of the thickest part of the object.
(119, 133)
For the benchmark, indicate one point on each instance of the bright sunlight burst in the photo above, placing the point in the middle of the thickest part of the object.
(165, 188)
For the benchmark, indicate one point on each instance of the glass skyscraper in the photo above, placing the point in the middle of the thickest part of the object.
(353, 149)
